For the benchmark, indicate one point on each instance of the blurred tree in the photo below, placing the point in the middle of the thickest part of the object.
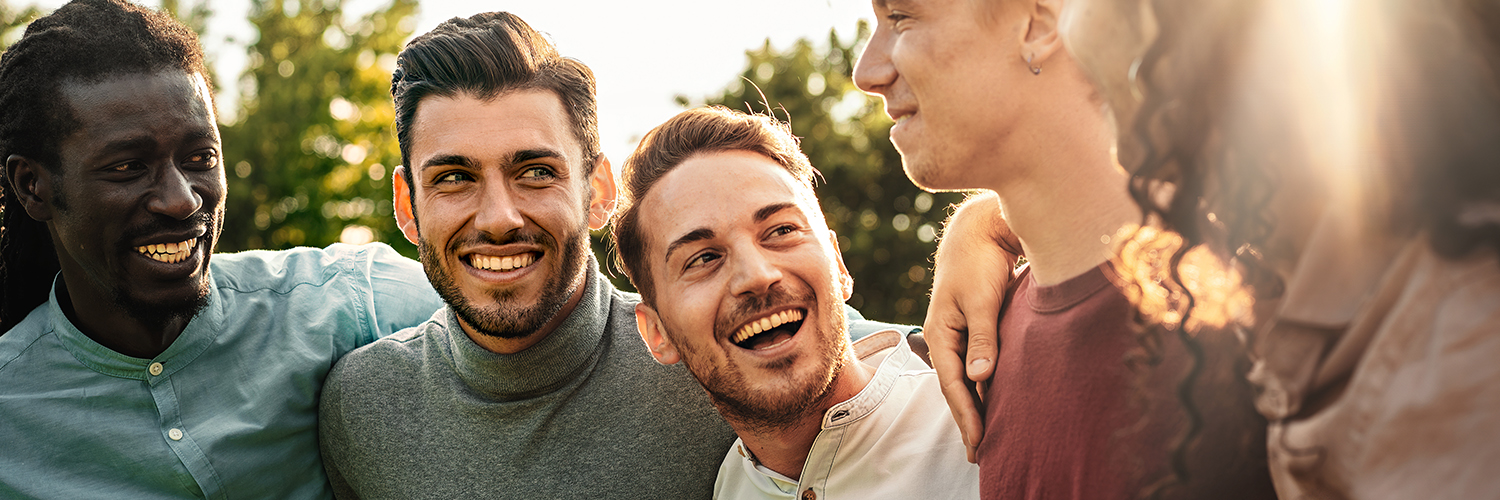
(195, 16)
(310, 157)
(14, 20)
(886, 225)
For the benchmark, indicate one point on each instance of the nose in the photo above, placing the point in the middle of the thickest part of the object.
(873, 72)
(174, 196)
(753, 273)
(499, 211)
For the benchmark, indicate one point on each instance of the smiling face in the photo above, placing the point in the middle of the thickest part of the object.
(749, 287)
(504, 202)
(139, 202)
(949, 72)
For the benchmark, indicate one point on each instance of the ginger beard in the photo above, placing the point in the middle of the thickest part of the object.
(782, 405)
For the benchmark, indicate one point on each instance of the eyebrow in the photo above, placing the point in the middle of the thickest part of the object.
(769, 210)
(460, 160)
(526, 155)
(704, 233)
(518, 157)
(699, 234)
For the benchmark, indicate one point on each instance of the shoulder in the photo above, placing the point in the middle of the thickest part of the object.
(25, 335)
(389, 357)
(283, 270)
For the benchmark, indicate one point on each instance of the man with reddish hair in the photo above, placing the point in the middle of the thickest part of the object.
(748, 292)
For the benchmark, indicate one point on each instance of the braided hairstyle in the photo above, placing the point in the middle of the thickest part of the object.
(84, 41)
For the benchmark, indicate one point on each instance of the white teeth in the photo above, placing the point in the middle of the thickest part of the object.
(168, 252)
(502, 264)
(766, 323)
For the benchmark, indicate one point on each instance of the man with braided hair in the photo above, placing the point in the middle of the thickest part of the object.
(131, 366)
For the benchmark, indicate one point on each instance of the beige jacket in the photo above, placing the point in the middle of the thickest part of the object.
(1380, 374)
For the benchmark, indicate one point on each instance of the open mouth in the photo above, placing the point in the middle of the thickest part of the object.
(170, 253)
(769, 331)
(502, 264)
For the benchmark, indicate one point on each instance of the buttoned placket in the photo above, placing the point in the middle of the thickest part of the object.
(157, 374)
(175, 432)
(836, 421)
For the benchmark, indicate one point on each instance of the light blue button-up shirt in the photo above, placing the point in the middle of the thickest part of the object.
(228, 410)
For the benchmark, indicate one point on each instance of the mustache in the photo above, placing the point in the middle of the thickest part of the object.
(778, 296)
(163, 224)
(522, 235)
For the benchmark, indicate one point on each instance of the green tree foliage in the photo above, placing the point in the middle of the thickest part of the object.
(310, 159)
(886, 225)
(13, 20)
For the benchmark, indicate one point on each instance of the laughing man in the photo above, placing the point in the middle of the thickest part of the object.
(748, 292)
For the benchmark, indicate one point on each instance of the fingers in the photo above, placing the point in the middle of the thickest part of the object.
(961, 398)
(982, 315)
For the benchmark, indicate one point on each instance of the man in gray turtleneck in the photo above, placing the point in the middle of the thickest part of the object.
(532, 381)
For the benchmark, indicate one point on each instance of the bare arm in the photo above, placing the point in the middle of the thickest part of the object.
(974, 262)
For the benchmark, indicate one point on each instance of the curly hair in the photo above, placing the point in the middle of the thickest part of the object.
(84, 41)
(1436, 110)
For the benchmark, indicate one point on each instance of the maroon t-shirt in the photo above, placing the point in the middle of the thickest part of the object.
(1060, 417)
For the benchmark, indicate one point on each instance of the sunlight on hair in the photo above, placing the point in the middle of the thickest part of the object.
(1144, 264)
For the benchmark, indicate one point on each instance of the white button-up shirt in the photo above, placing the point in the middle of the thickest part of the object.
(895, 439)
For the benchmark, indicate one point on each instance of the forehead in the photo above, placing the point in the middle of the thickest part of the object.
(139, 106)
(718, 190)
(488, 129)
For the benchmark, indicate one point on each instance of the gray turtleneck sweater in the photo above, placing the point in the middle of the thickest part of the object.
(585, 413)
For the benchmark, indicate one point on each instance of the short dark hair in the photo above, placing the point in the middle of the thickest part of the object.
(690, 133)
(84, 41)
(484, 56)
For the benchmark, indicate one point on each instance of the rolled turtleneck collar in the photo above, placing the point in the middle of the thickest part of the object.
(565, 354)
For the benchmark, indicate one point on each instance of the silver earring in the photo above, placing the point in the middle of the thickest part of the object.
(1035, 70)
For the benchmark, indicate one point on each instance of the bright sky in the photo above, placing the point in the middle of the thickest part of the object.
(642, 52)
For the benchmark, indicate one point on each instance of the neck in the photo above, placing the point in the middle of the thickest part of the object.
(501, 345)
(1063, 194)
(784, 449)
(110, 325)
(1066, 223)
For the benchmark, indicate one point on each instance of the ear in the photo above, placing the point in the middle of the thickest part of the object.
(602, 206)
(845, 280)
(656, 340)
(32, 184)
(1042, 39)
(406, 219)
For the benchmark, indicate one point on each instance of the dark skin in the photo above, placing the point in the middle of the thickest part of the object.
(135, 207)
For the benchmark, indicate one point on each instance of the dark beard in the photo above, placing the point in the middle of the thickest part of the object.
(769, 413)
(509, 320)
(157, 316)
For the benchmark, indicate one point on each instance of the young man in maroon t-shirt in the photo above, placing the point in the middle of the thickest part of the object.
(986, 96)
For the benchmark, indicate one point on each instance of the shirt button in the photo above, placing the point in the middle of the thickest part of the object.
(176, 435)
(155, 369)
(808, 494)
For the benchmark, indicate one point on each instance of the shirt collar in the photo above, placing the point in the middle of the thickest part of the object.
(1340, 269)
(200, 333)
(891, 368)
(541, 368)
